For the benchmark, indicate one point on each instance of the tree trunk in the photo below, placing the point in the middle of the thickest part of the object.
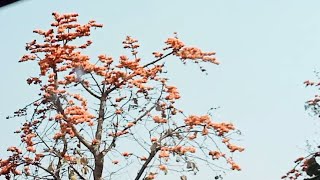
(98, 167)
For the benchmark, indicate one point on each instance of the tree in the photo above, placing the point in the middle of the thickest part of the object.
(97, 118)
(307, 166)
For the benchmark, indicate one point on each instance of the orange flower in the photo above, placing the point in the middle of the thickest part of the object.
(143, 158)
(154, 139)
(126, 154)
(95, 142)
(216, 154)
(193, 136)
(31, 149)
(205, 131)
(234, 148)
(130, 124)
(90, 123)
(164, 154)
(158, 119)
(157, 54)
(16, 172)
(235, 166)
(38, 157)
(118, 111)
(115, 162)
(225, 140)
(27, 170)
(173, 93)
(163, 167)
(174, 43)
(72, 159)
(151, 176)
(299, 159)
(120, 98)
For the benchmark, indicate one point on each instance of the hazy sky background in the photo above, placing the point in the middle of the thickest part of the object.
(266, 49)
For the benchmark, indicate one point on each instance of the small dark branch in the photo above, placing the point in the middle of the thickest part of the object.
(46, 170)
(155, 61)
(24, 108)
(112, 144)
(146, 163)
(142, 116)
(61, 156)
(96, 82)
(65, 146)
(110, 90)
(77, 172)
(81, 138)
(148, 111)
(127, 102)
(89, 91)
(59, 165)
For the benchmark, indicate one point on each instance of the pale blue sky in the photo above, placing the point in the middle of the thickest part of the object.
(266, 49)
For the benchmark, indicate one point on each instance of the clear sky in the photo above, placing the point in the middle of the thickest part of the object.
(266, 49)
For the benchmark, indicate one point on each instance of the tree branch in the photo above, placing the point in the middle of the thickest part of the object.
(45, 169)
(155, 61)
(60, 110)
(103, 98)
(145, 165)
(89, 91)
(112, 144)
